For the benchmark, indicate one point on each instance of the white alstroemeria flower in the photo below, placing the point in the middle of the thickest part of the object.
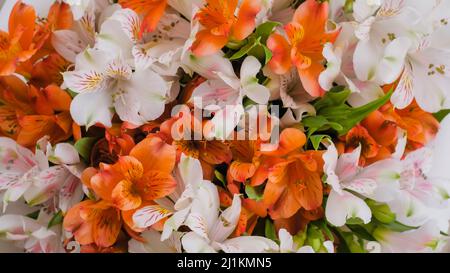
(24, 234)
(362, 9)
(29, 175)
(377, 181)
(340, 68)
(71, 42)
(211, 229)
(427, 238)
(421, 196)
(153, 243)
(104, 84)
(80, 7)
(288, 244)
(162, 49)
(289, 89)
(426, 76)
(197, 206)
(224, 94)
(386, 38)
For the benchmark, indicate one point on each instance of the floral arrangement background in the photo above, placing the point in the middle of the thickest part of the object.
(94, 95)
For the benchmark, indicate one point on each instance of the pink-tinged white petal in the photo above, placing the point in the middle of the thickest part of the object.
(286, 241)
(330, 158)
(206, 203)
(190, 170)
(173, 223)
(403, 95)
(136, 101)
(334, 62)
(214, 94)
(46, 184)
(209, 67)
(83, 81)
(197, 224)
(249, 244)
(257, 93)
(15, 158)
(348, 164)
(227, 221)
(68, 44)
(149, 215)
(193, 243)
(88, 109)
(393, 60)
(118, 69)
(225, 121)
(130, 23)
(424, 239)
(70, 194)
(154, 244)
(65, 153)
(341, 207)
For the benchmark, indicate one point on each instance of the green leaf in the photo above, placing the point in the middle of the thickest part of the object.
(264, 30)
(334, 113)
(267, 53)
(398, 227)
(220, 177)
(84, 146)
(270, 231)
(441, 114)
(34, 215)
(354, 244)
(255, 193)
(56, 219)
(381, 211)
(361, 232)
(251, 43)
(316, 140)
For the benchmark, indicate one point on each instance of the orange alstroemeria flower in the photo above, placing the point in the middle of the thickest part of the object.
(306, 38)
(28, 113)
(378, 132)
(17, 46)
(295, 183)
(222, 25)
(421, 127)
(152, 10)
(136, 180)
(27, 40)
(93, 222)
(209, 152)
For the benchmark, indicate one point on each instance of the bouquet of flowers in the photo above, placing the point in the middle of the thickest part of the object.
(225, 126)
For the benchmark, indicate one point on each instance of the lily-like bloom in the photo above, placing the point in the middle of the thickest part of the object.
(306, 38)
(220, 24)
(29, 113)
(28, 175)
(224, 95)
(135, 180)
(93, 222)
(425, 239)
(18, 46)
(426, 68)
(343, 173)
(104, 83)
(24, 234)
(88, 15)
(295, 182)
